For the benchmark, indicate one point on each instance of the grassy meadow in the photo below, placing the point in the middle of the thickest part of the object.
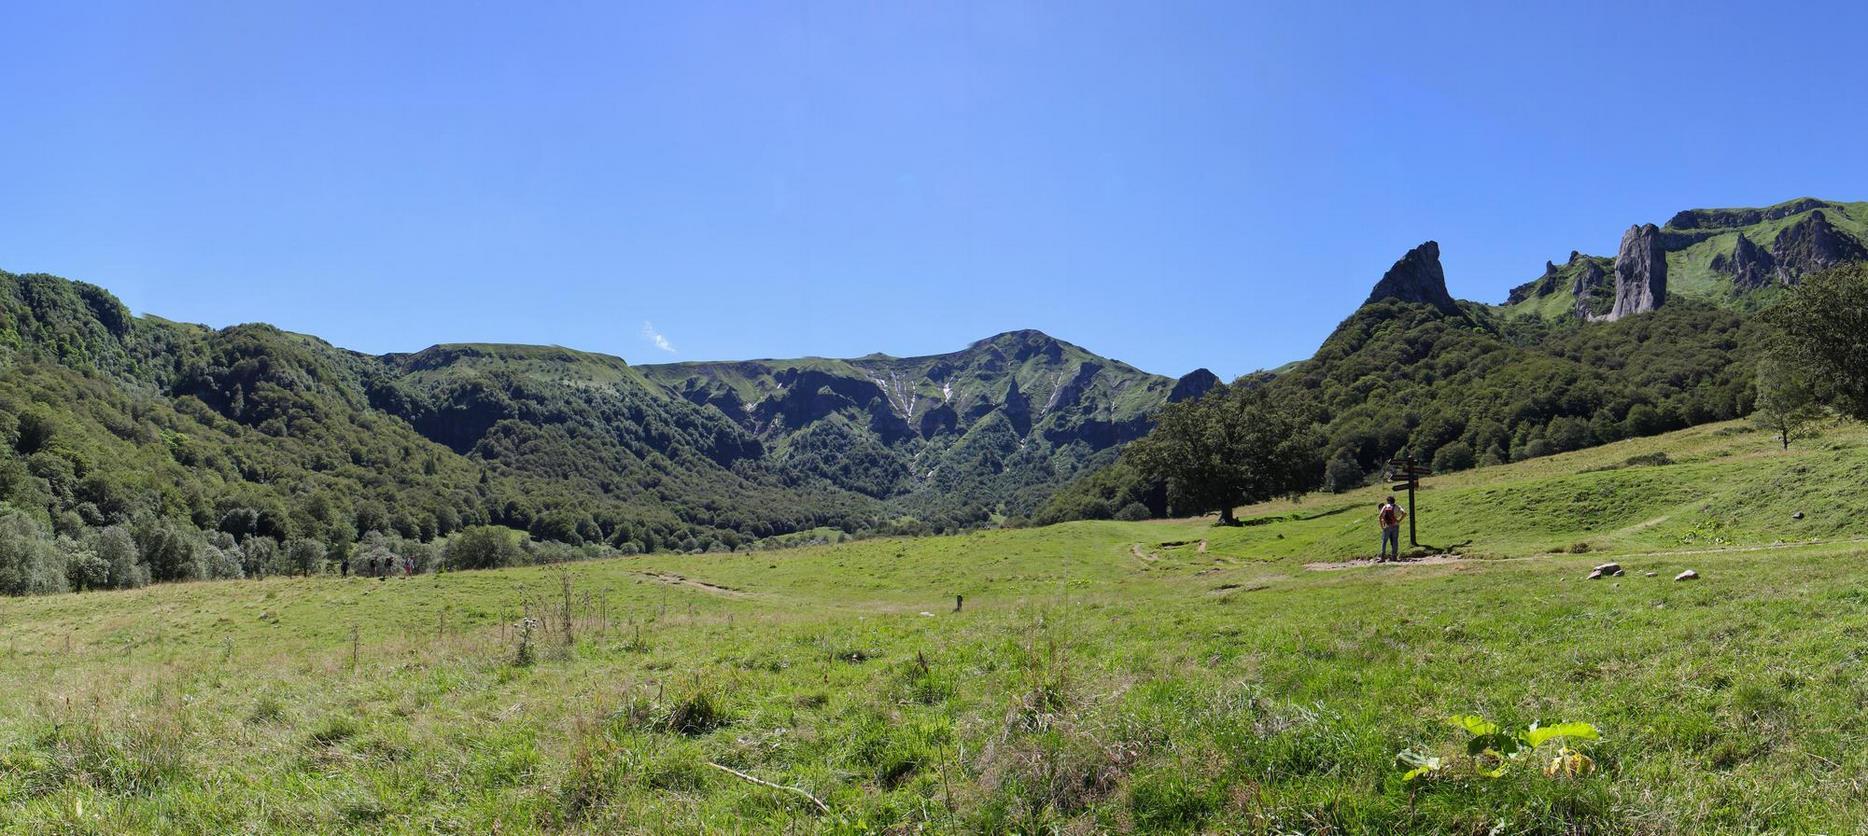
(1151, 676)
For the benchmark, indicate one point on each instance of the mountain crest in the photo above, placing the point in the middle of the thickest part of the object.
(1418, 278)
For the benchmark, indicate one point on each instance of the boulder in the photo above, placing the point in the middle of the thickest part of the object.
(1687, 575)
(1797, 516)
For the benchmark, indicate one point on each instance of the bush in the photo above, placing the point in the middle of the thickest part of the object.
(482, 547)
(1343, 474)
(1133, 512)
(30, 562)
(303, 557)
(1455, 456)
(117, 550)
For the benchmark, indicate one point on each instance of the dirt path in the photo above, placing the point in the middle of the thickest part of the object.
(673, 579)
(1437, 559)
(1429, 560)
(1136, 550)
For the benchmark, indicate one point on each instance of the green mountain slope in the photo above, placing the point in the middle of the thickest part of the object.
(990, 429)
(218, 437)
(1465, 384)
(1728, 257)
(151, 422)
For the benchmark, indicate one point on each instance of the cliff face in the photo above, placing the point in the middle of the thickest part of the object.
(1811, 245)
(1749, 265)
(1640, 272)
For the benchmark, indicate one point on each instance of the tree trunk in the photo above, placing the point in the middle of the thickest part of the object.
(1225, 515)
(1785, 435)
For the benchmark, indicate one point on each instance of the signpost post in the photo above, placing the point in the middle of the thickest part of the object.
(1404, 467)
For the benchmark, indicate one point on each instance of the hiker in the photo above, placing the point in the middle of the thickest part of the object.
(1390, 516)
(343, 566)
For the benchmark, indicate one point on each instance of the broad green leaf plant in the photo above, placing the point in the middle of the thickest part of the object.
(1492, 752)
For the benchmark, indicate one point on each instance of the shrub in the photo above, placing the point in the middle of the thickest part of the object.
(30, 562)
(1455, 456)
(1342, 474)
(303, 557)
(481, 547)
(1133, 512)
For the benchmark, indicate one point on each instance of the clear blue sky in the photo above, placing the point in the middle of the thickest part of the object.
(1171, 184)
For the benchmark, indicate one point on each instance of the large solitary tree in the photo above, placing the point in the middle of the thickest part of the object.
(1235, 445)
(1823, 326)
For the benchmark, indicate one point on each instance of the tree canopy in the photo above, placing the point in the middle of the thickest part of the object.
(1235, 445)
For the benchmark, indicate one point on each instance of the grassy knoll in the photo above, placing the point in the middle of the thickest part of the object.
(1100, 676)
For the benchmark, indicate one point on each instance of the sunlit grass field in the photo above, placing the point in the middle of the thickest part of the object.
(1098, 676)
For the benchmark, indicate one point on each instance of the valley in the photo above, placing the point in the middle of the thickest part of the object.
(1222, 682)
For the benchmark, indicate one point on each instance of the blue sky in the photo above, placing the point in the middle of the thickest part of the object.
(1171, 184)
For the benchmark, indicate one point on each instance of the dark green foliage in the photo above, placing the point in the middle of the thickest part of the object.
(1134, 511)
(1236, 445)
(1398, 376)
(1343, 473)
(1787, 404)
(1454, 456)
(30, 562)
(1101, 493)
(1822, 322)
(481, 547)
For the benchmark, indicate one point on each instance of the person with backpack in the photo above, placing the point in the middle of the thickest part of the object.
(1390, 517)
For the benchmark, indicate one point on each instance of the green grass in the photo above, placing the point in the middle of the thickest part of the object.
(1109, 676)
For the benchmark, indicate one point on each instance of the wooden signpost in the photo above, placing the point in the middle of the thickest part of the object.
(1404, 467)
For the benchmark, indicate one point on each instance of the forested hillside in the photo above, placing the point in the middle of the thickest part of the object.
(139, 449)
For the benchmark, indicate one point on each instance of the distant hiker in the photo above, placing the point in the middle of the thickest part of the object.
(343, 567)
(1391, 516)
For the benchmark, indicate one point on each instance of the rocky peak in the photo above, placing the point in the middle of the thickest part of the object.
(1749, 265)
(1417, 277)
(1640, 272)
(1192, 385)
(1811, 245)
(1540, 286)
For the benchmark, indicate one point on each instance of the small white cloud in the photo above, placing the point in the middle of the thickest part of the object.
(649, 333)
